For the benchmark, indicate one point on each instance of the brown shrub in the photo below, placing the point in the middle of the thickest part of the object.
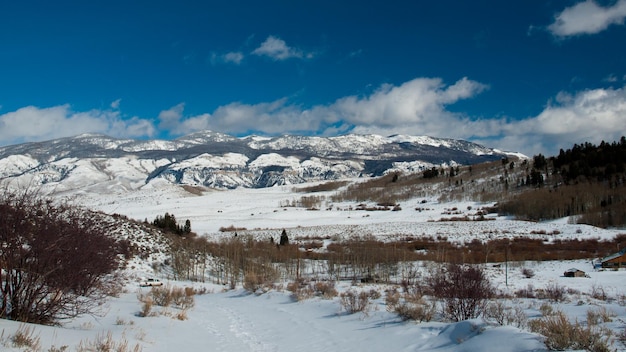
(560, 334)
(353, 302)
(463, 290)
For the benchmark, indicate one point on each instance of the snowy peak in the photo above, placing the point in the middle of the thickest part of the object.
(212, 159)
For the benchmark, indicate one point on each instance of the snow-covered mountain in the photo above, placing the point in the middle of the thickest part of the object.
(218, 160)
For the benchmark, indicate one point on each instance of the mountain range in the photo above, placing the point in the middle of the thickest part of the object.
(216, 160)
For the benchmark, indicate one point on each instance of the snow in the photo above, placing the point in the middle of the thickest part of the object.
(16, 164)
(235, 320)
(228, 160)
(271, 159)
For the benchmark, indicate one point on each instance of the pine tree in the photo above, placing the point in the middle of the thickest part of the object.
(284, 240)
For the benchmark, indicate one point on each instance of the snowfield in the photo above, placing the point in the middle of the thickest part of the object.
(235, 320)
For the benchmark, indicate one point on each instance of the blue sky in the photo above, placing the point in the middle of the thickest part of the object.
(530, 76)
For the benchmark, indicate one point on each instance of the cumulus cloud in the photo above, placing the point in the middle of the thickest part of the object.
(587, 17)
(170, 118)
(588, 116)
(416, 107)
(32, 123)
(278, 50)
(419, 107)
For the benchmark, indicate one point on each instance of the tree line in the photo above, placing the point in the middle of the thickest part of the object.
(586, 182)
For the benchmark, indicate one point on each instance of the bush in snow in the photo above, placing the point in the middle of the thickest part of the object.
(528, 273)
(410, 305)
(463, 290)
(57, 260)
(499, 313)
(554, 292)
(353, 302)
(560, 334)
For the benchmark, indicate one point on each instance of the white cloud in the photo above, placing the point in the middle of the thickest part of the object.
(35, 124)
(278, 50)
(587, 116)
(233, 57)
(170, 118)
(587, 18)
(417, 107)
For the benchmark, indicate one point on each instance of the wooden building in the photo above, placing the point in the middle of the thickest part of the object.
(615, 261)
(573, 272)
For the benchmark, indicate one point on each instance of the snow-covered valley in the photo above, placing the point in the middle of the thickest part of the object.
(225, 319)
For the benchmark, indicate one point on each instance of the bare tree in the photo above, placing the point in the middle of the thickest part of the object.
(56, 260)
(463, 289)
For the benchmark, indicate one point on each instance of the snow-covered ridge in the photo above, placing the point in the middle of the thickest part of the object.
(218, 160)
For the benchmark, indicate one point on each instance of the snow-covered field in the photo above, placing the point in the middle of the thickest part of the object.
(234, 320)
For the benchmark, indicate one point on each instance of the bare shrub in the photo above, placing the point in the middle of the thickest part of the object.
(183, 298)
(325, 289)
(415, 307)
(392, 299)
(554, 292)
(231, 228)
(600, 315)
(501, 314)
(528, 273)
(165, 296)
(547, 310)
(560, 334)
(301, 290)
(146, 307)
(528, 292)
(598, 292)
(622, 336)
(162, 296)
(302, 293)
(38, 235)
(259, 278)
(353, 302)
(463, 290)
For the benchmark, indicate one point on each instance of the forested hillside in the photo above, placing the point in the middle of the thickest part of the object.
(586, 182)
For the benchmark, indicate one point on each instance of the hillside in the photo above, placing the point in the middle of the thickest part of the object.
(99, 163)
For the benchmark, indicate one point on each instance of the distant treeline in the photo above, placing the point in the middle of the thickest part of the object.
(586, 181)
(588, 161)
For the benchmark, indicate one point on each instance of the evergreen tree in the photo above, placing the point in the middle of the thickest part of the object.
(284, 240)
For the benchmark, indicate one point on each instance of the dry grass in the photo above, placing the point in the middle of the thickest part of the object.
(560, 334)
(195, 190)
(353, 302)
(166, 296)
(302, 289)
(323, 187)
(599, 315)
(410, 305)
(26, 338)
(106, 343)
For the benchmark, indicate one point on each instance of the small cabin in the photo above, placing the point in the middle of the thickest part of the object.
(573, 272)
(615, 261)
